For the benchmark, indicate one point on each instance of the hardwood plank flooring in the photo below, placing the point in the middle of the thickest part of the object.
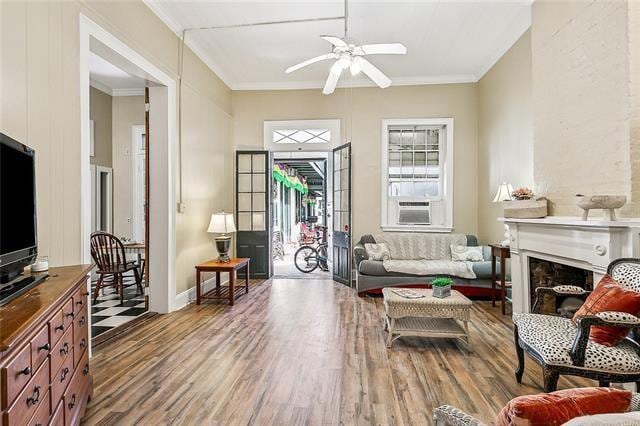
(297, 352)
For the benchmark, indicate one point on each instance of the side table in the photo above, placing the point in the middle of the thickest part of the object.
(222, 292)
(498, 251)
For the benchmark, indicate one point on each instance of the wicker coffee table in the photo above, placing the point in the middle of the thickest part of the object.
(427, 316)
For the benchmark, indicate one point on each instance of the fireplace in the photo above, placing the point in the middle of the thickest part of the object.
(547, 273)
(561, 250)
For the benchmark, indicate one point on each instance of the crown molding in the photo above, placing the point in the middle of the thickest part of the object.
(400, 81)
(101, 87)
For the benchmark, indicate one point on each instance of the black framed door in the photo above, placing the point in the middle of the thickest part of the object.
(253, 215)
(342, 214)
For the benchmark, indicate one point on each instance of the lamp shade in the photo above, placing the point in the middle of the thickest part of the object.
(503, 193)
(221, 223)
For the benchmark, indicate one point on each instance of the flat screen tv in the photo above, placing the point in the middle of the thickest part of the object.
(18, 238)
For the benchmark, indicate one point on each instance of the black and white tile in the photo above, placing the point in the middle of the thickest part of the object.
(108, 313)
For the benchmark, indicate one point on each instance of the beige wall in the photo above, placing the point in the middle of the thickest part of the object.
(41, 107)
(100, 113)
(369, 107)
(128, 111)
(581, 100)
(505, 134)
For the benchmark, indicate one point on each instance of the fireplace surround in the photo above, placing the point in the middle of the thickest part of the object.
(573, 243)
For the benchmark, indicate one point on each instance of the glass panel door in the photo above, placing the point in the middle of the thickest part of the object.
(342, 214)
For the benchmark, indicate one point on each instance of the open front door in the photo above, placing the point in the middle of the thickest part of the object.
(253, 196)
(342, 214)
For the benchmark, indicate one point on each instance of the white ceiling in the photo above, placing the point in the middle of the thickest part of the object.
(112, 80)
(447, 41)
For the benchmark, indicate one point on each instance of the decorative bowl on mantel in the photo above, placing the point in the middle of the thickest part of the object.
(605, 202)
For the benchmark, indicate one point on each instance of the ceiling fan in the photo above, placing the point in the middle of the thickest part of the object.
(351, 56)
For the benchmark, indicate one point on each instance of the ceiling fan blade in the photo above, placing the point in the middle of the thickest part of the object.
(332, 79)
(336, 41)
(309, 62)
(372, 72)
(383, 49)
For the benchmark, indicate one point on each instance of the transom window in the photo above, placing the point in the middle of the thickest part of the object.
(309, 136)
(414, 168)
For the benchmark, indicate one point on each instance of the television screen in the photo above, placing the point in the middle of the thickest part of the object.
(17, 198)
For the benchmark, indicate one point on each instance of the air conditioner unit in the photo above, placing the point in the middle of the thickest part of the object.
(414, 213)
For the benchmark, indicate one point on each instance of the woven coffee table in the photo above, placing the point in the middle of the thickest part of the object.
(427, 316)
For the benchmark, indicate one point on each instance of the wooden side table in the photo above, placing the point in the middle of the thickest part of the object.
(222, 292)
(503, 253)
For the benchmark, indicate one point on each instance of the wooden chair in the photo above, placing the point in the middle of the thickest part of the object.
(561, 347)
(108, 253)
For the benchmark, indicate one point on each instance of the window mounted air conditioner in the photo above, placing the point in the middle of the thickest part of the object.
(414, 213)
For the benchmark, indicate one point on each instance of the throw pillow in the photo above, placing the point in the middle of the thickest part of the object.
(556, 408)
(609, 296)
(461, 253)
(378, 251)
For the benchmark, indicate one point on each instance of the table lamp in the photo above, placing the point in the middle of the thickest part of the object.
(222, 223)
(504, 193)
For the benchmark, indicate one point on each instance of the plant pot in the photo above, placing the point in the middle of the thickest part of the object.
(441, 291)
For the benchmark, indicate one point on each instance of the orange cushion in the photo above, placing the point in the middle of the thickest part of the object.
(609, 296)
(556, 408)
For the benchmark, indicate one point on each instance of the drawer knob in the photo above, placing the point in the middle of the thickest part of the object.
(70, 314)
(64, 349)
(60, 327)
(79, 302)
(82, 321)
(26, 371)
(63, 374)
(72, 403)
(44, 347)
(83, 343)
(34, 398)
(85, 370)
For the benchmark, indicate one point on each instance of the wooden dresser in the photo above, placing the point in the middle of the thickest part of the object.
(44, 357)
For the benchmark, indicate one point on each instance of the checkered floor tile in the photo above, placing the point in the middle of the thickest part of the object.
(108, 313)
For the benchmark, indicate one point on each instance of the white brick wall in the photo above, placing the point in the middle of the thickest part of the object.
(582, 102)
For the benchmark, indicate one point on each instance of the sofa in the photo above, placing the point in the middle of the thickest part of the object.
(371, 275)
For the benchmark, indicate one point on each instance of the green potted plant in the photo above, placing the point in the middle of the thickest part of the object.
(441, 287)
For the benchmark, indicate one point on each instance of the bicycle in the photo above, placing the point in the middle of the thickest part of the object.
(307, 258)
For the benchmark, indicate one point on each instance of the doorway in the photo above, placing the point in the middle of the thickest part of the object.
(300, 233)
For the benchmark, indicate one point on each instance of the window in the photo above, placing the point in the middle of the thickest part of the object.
(301, 135)
(416, 168)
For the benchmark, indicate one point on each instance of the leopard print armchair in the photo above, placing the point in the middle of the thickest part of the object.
(561, 347)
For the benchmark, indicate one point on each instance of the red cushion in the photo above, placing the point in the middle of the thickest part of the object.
(556, 408)
(609, 296)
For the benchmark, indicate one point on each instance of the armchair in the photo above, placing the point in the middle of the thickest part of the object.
(561, 347)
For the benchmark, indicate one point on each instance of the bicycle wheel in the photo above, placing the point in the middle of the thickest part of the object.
(306, 259)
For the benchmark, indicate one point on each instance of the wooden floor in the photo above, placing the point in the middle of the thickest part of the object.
(301, 352)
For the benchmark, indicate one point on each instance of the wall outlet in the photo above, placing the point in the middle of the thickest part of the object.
(128, 220)
(181, 207)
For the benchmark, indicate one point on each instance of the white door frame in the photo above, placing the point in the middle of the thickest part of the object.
(138, 186)
(162, 118)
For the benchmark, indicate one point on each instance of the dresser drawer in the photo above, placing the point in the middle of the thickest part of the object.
(57, 418)
(67, 313)
(15, 375)
(80, 300)
(56, 328)
(81, 335)
(40, 347)
(29, 400)
(76, 391)
(41, 417)
(62, 350)
(60, 380)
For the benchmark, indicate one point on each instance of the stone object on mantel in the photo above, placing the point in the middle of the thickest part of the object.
(608, 203)
(526, 209)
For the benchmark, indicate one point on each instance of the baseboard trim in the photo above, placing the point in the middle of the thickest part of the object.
(189, 296)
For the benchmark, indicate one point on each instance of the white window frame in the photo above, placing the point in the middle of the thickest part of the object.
(332, 124)
(446, 192)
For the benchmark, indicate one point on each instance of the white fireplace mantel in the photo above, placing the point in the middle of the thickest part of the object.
(589, 245)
